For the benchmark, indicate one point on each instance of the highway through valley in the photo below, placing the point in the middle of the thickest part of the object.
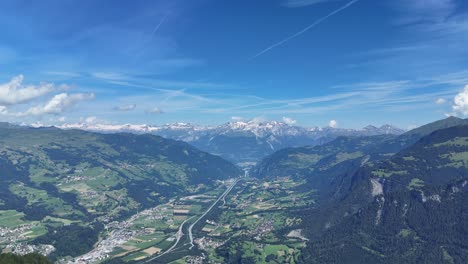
(180, 233)
(221, 197)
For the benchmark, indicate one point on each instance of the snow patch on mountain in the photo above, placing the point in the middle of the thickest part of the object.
(233, 140)
(272, 130)
(377, 188)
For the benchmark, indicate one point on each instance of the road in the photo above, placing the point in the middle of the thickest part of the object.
(180, 233)
(221, 197)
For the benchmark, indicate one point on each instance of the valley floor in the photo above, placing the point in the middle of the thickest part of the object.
(254, 223)
(154, 232)
(244, 219)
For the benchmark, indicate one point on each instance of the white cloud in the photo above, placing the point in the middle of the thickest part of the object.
(440, 101)
(460, 102)
(258, 119)
(92, 120)
(58, 104)
(155, 110)
(439, 18)
(15, 92)
(289, 120)
(3, 109)
(129, 107)
(237, 118)
(333, 124)
(89, 120)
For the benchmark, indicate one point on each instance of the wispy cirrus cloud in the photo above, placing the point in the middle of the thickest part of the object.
(152, 82)
(302, 3)
(376, 96)
(433, 17)
(397, 95)
(274, 104)
(424, 11)
(128, 107)
(110, 76)
(63, 74)
(433, 37)
(309, 27)
(392, 50)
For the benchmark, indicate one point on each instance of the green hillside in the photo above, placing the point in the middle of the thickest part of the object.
(58, 187)
(437, 125)
(407, 209)
(32, 258)
(377, 199)
(328, 167)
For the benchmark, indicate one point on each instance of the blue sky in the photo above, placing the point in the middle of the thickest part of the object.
(402, 62)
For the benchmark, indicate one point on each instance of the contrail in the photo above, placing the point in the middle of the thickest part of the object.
(305, 29)
(158, 26)
(139, 51)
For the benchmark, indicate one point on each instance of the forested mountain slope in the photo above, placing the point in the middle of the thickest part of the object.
(328, 167)
(73, 181)
(410, 208)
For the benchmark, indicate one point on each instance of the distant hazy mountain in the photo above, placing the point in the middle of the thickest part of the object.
(243, 141)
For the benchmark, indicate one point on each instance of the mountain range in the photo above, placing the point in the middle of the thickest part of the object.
(374, 195)
(66, 184)
(406, 209)
(383, 199)
(242, 142)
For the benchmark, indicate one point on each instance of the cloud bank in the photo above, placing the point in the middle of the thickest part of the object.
(460, 102)
(58, 104)
(289, 120)
(15, 92)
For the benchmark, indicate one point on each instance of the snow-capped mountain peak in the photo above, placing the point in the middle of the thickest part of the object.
(264, 129)
(240, 141)
(260, 129)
